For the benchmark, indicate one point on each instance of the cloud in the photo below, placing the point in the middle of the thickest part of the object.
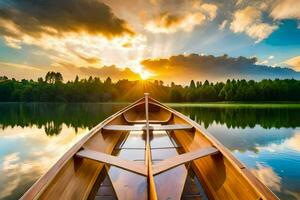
(167, 23)
(186, 20)
(20, 66)
(79, 48)
(210, 10)
(68, 70)
(116, 73)
(183, 68)
(248, 20)
(223, 25)
(59, 17)
(73, 31)
(294, 63)
(286, 9)
(20, 71)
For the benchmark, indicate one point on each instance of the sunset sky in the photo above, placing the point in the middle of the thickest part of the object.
(170, 40)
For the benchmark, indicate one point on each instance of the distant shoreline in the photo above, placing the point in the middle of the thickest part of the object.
(262, 104)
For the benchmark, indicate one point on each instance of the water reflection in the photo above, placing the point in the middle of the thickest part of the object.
(267, 140)
(242, 117)
(34, 136)
(26, 153)
(51, 116)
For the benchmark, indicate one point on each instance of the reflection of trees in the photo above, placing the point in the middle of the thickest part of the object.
(52, 129)
(53, 115)
(87, 115)
(244, 117)
(239, 118)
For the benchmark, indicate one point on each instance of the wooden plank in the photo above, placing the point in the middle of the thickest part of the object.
(155, 118)
(115, 161)
(122, 128)
(169, 127)
(150, 121)
(182, 159)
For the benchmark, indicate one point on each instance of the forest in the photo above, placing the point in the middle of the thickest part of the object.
(52, 88)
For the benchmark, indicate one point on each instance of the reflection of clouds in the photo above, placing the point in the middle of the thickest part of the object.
(294, 142)
(268, 177)
(296, 195)
(9, 161)
(33, 153)
(252, 139)
(272, 180)
(290, 143)
(10, 186)
(17, 171)
(9, 168)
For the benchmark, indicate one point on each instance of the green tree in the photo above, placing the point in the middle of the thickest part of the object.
(192, 84)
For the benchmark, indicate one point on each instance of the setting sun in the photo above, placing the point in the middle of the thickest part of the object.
(189, 66)
(145, 75)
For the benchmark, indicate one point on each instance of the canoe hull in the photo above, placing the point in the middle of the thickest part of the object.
(221, 174)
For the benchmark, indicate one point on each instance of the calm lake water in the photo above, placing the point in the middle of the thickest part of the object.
(34, 136)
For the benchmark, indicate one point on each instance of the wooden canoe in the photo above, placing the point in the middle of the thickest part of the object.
(148, 151)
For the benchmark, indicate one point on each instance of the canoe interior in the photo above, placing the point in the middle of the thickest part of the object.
(218, 176)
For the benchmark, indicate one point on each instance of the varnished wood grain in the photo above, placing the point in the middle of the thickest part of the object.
(113, 160)
(221, 174)
(59, 179)
(170, 127)
(182, 159)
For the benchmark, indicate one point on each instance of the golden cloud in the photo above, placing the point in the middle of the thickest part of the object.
(67, 33)
(286, 9)
(183, 68)
(115, 73)
(186, 20)
(59, 17)
(248, 20)
(294, 63)
(167, 23)
(69, 71)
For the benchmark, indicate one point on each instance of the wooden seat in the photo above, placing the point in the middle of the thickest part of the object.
(113, 160)
(151, 121)
(170, 127)
(182, 159)
(122, 128)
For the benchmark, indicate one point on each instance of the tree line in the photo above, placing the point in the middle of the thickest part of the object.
(53, 89)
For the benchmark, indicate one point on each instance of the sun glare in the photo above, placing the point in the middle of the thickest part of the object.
(145, 75)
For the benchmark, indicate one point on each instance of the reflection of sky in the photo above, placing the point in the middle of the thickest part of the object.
(273, 155)
(26, 153)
